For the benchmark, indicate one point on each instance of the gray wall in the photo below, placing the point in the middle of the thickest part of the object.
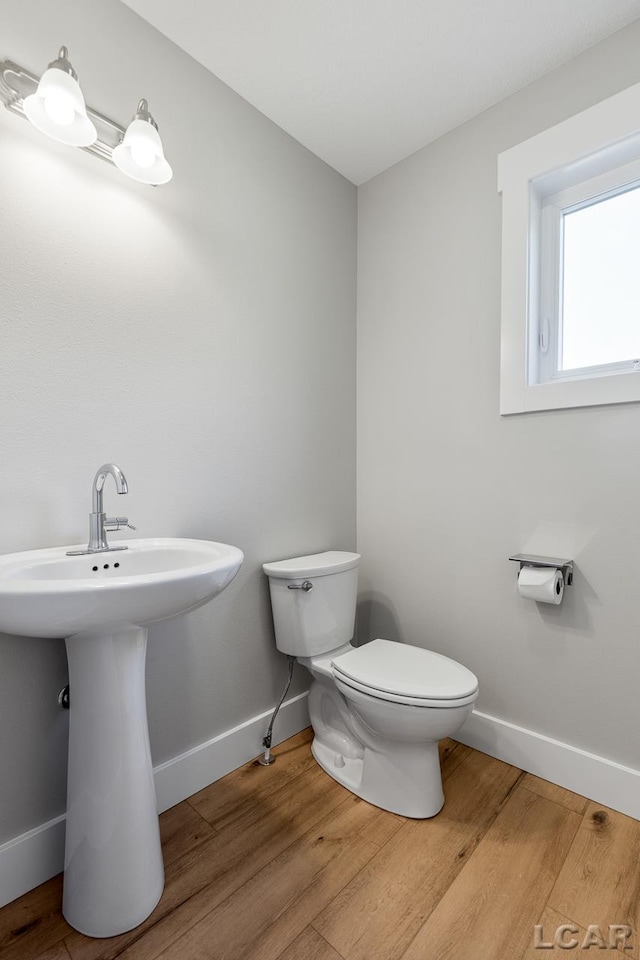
(201, 335)
(447, 490)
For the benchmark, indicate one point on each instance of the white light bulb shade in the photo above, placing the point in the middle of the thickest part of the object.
(57, 108)
(140, 155)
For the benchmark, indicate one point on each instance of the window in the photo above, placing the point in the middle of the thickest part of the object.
(589, 323)
(571, 262)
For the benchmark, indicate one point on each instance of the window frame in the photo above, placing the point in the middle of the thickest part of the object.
(591, 156)
(554, 208)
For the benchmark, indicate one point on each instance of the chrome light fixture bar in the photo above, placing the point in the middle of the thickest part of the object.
(25, 95)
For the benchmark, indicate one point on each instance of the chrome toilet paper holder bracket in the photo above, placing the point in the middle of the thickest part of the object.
(531, 560)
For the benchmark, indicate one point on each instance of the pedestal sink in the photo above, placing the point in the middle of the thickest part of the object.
(102, 604)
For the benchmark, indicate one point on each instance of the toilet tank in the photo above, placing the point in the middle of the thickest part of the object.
(318, 619)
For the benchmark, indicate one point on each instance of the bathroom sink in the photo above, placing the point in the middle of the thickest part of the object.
(45, 593)
(102, 604)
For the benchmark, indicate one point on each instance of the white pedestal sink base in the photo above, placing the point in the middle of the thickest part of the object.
(114, 874)
(113, 862)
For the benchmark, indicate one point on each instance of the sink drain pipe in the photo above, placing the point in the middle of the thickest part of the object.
(267, 758)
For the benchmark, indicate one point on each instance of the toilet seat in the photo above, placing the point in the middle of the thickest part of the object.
(401, 673)
(343, 682)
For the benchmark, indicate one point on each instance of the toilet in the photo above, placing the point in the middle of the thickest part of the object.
(378, 710)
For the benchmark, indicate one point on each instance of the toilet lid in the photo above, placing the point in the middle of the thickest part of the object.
(386, 666)
(315, 565)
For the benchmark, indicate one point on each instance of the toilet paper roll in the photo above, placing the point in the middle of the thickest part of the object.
(544, 584)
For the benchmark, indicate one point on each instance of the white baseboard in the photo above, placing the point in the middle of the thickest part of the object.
(36, 856)
(184, 775)
(30, 859)
(605, 781)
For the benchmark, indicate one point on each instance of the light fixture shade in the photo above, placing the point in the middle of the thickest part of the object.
(140, 155)
(57, 108)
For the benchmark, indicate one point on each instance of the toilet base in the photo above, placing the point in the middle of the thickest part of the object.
(407, 782)
(345, 770)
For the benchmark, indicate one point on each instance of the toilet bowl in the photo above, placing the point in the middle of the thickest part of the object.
(379, 710)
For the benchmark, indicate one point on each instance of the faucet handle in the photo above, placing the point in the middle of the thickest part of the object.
(117, 523)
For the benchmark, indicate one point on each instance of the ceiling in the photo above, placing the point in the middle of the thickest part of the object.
(365, 83)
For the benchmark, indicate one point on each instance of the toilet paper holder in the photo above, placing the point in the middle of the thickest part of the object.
(531, 560)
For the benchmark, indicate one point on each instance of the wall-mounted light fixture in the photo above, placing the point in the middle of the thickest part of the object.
(57, 108)
(54, 104)
(140, 155)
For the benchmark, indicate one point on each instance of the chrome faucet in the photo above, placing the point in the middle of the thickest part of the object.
(99, 524)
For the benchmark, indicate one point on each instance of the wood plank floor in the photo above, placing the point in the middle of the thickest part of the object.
(282, 863)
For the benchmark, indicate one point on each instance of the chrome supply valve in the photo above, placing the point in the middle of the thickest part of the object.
(99, 524)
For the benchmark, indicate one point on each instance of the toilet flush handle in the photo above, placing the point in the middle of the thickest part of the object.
(306, 586)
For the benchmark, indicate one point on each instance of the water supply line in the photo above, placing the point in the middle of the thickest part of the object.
(267, 758)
